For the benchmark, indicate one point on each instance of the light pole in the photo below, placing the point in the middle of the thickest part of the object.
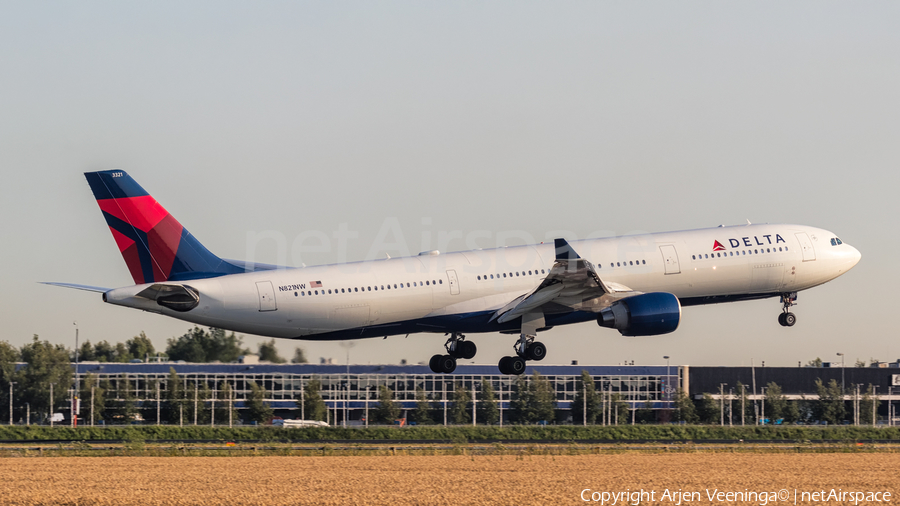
(842, 375)
(11, 383)
(722, 403)
(763, 403)
(51, 404)
(367, 404)
(874, 403)
(668, 380)
(77, 385)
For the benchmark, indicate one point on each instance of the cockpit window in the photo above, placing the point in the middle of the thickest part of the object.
(833, 241)
(839, 241)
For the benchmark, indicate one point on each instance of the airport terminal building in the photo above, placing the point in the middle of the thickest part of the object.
(350, 391)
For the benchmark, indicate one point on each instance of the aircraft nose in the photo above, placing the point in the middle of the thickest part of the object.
(855, 256)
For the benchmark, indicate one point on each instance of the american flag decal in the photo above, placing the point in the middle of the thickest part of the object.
(315, 284)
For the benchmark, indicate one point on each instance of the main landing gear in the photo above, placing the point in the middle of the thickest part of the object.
(787, 318)
(457, 347)
(526, 349)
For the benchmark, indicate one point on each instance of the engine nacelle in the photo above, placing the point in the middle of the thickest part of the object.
(648, 314)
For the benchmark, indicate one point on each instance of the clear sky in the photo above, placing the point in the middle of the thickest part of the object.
(266, 126)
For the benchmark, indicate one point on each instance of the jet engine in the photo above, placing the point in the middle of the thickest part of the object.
(648, 314)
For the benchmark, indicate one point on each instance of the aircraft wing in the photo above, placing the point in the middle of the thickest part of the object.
(98, 289)
(572, 285)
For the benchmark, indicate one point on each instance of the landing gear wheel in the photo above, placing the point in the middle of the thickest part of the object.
(789, 319)
(504, 365)
(781, 319)
(434, 364)
(536, 351)
(467, 349)
(516, 365)
(442, 364)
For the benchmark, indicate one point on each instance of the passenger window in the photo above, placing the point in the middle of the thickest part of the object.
(504, 274)
(441, 281)
(370, 288)
(426, 282)
(479, 278)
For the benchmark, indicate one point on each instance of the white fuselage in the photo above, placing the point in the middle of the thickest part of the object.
(457, 292)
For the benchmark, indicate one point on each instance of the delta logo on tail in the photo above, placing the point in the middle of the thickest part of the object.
(717, 246)
(154, 244)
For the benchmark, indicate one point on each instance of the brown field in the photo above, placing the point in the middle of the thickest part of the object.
(430, 480)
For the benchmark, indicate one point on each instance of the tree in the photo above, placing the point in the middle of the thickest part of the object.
(269, 353)
(45, 364)
(684, 408)
(866, 406)
(586, 394)
(97, 397)
(299, 356)
(104, 352)
(620, 410)
(198, 345)
(830, 407)
(122, 355)
(387, 410)
(778, 406)
(460, 407)
(749, 414)
(814, 363)
(148, 407)
(709, 410)
(225, 410)
(86, 352)
(258, 410)
(204, 397)
(8, 358)
(422, 413)
(859, 363)
(534, 400)
(487, 411)
(125, 408)
(313, 406)
(174, 408)
(140, 347)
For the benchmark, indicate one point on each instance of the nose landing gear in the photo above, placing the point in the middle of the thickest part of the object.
(787, 318)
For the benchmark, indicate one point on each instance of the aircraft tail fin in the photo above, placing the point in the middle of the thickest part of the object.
(153, 243)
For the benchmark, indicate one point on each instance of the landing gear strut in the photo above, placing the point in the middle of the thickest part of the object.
(526, 349)
(457, 347)
(787, 318)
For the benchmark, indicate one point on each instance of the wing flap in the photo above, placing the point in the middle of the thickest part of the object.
(571, 285)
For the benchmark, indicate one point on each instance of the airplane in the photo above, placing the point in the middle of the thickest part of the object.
(634, 284)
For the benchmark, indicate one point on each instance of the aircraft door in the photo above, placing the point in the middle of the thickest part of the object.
(266, 296)
(454, 282)
(670, 258)
(806, 246)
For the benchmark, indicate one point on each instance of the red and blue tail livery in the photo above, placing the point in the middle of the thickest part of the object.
(153, 243)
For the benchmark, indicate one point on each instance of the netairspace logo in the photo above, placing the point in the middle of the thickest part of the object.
(762, 497)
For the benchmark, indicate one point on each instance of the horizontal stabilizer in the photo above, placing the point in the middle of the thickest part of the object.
(97, 289)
